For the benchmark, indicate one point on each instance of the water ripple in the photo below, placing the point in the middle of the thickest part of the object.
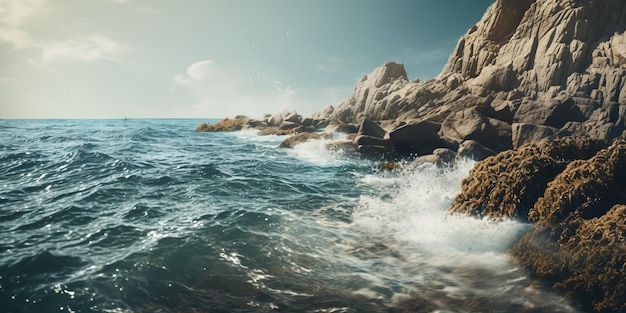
(150, 216)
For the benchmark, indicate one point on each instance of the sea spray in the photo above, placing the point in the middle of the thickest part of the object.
(413, 210)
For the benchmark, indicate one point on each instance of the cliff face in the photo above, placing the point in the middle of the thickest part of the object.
(550, 45)
(527, 71)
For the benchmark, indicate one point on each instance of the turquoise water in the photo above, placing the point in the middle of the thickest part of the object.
(151, 216)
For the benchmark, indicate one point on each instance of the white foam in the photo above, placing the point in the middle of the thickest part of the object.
(252, 135)
(415, 214)
(315, 151)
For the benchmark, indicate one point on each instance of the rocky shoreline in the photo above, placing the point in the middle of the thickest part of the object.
(537, 91)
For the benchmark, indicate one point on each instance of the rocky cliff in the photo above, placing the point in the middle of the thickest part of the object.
(529, 70)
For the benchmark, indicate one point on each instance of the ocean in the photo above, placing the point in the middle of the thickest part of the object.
(147, 215)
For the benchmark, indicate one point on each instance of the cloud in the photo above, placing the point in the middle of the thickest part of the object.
(14, 12)
(88, 48)
(84, 48)
(18, 38)
(223, 91)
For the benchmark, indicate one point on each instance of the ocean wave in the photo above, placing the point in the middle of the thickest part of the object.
(148, 216)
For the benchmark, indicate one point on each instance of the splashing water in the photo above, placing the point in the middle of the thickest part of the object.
(148, 216)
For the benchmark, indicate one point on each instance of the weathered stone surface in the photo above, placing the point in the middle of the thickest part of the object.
(523, 133)
(324, 113)
(496, 78)
(554, 63)
(554, 113)
(364, 140)
(470, 124)
(412, 137)
(371, 128)
(252, 123)
(365, 98)
(472, 149)
(440, 156)
(204, 127)
(286, 115)
(341, 127)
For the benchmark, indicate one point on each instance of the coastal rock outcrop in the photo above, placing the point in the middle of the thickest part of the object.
(574, 193)
(367, 93)
(529, 70)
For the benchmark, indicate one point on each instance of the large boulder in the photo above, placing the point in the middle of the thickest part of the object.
(416, 137)
(472, 149)
(470, 124)
(371, 128)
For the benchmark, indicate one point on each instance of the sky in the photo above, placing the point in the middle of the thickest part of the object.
(210, 58)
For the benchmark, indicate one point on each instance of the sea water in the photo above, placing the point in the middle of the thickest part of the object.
(151, 216)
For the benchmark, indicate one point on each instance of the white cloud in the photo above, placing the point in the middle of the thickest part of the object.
(223, 92)
(88, 48)
(15, 13)
(19, 39)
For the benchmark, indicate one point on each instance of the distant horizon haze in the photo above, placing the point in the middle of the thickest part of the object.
(212, 59)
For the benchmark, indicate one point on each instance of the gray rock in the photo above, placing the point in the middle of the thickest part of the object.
(496, 78)
(472, 149)
(444, 155)
(470, 124)
(413, 137)
(364, 140)
(529, 133)
(342, 127)
(546, 63)
(370, 128)
(554, 113)
(307, 121)
(367, 95)
(286, 125)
